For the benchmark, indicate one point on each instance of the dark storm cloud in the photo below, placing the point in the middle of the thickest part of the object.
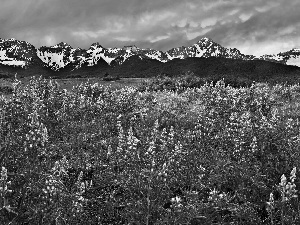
(251, 26)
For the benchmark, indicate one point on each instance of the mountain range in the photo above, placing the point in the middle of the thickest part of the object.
(205, 56)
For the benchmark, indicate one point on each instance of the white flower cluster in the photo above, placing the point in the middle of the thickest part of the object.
(288, 189)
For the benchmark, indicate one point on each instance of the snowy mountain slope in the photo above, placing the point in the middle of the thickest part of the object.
(291, 57)
(16, 53)
(22, 54)
(204, 48)
(96, 52)
(207, 48)
(60, 55)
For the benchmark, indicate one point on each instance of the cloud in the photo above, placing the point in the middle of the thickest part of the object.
(195, 34)
(249, 25)
(244, 17)
(209, 22)
(158, 38)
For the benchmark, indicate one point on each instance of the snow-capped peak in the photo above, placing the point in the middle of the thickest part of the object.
(291, 57)
(61, 45)
(20, 53)
(96, 45)
(16, 53)
(205, 41)
(295, 50)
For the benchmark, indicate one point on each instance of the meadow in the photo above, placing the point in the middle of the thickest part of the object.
(166, 151)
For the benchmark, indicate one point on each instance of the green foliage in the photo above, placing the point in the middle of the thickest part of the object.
(189, 80)
(195, 151)
(108, 77)
(6, 90)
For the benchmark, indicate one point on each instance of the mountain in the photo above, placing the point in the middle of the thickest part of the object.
(17, 53)
(137, 66)
(291, 57)
(60, 55)
(62, 60)
(207, 48)
(20, 57)
(204, 48)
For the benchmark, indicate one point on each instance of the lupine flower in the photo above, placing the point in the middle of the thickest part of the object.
(283, 181)
(109, 151)
(3, 174)
(253, 145)
(288, 189)
(213, 193)
(270, 203)
(132, 141)
(150, 150)
(293, 175)
(176, 199)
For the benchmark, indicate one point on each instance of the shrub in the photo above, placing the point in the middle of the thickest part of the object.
(107, 77)
(189, 80)
(6, 90)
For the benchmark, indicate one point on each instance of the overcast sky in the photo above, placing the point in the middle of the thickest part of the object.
(253, 26)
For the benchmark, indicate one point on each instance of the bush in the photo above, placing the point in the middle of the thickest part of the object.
(75, 76)
(189, 80)
(110, 78)
(4, 75)
(6, 90)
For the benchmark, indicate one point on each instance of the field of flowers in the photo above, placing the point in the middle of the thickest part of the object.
(211, 154)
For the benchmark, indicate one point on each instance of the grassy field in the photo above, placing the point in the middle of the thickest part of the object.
(68, 84)
(118, 84)
(168, 153)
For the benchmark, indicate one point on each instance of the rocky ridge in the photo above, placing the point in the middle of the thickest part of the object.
(17, 53)
(65, 59)
(291, 57)
(59, 56)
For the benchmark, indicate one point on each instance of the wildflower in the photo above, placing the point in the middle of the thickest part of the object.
(3, 174)
(109, 151)
(270, 203)
(163, 171)
(178, 148)
(253, 145)
(171, 134)
(151, 148)
(213, 193)
(132, 141)
(153, 165)
(283, 181)
(288, 189)
(79, 184)
(293, 175)
(176, 199)
(121, 136)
